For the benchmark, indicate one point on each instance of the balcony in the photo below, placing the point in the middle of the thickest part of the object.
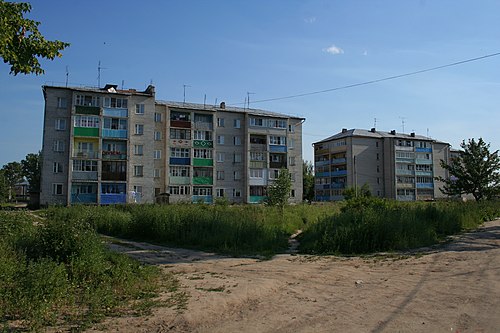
(114, 155)
(257, 199)
(115, 112)
(84, 175)
(424, 173)
(338, 161)
(179, 180)
(257, 164)
(202, 162)
(114, 133)
(180, 161)
(322, 163)
(405, 198)
(113, 198)
(277, 149)
(203, 180)
(258, 147)
(423, 161)
(405, 185)
(425, 185)
(87, 198)
(203, 144)
(423, 150)
(85, 154)
(200, 125)
(338, 173)
(402, 172)
(277, 165)
(86, 131)
(180, 123)
(322, 174)
(405, 160)
(202, 198)
(404, 148)
(338, 185)
(116, 176)
(94, 110)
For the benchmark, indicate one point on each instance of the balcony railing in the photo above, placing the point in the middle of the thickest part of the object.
(423, 150)
(405, 198)
(85, 154)
(106, 175)
(339, 173)
(203, 180)
(86, 131)
(180, 123)
(257, 198)
(114, 133)
(113, 198)
(277, 165)
(423, 161)
(84, 175)
(322, 163)
(86, 198)
(338, 161)
(277, 149)
(405, 172)
(202, 198)
(425, 185)
(114, 155)
(202, 162)
(405, 185)
(179, 180)
(115, 112)
(200, 125)
(203, 144)
(404, 148)
(94, 110)
(258, 147)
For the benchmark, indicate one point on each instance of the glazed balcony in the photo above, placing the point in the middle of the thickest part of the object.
(86, 154)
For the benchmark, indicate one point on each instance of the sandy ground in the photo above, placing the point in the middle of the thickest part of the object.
(453, 288)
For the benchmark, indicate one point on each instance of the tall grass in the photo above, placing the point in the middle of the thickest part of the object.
(59, 272)
(374, 225)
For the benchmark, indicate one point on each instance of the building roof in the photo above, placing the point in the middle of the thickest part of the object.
(345, 133)
(109, 88)
(223, 107)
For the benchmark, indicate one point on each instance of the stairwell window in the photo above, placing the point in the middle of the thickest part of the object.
(139, 129)
(139, 109)
(60, 124)
(138, 170)
(57, 189)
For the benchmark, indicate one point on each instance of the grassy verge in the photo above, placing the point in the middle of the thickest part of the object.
(59, 273)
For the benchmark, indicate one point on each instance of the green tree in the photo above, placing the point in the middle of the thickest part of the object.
(475, 171)
(13, 174)
(279, 192)
(357, 192)
(4, 187)
(308, 181)
(21, 44)
(32, 166)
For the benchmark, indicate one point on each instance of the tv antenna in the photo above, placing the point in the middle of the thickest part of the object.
(67, 76)
(375, 123)
(403, 122)
(248, 98)
(99, 68)
(185, 86)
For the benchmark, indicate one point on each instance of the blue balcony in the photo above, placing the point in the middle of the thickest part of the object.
(322, 198)
(425, 185)
(423, 150)
(321, 163)
(338, 185)
(277, 149)
(424, 173)
(322, 174)
(423, 161)
(257, 199)
(86, 198)
(339, 161)
(202, 198)
(113, 198)
(114, 133)
(180, 161)
(339, 173)
(112, 112)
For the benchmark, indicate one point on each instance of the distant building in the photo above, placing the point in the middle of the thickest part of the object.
(109, 146)
(394, 165)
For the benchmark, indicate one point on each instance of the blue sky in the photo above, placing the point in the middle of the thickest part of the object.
(224, 49)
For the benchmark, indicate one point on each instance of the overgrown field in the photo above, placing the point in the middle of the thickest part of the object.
(57, 271)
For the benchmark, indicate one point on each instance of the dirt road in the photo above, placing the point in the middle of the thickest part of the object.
(455, 288)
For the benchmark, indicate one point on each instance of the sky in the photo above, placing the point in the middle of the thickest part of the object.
(226, 49)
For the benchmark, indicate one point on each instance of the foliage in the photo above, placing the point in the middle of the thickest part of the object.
(13, 174)
(475, 171)
(4, 187)
(383, 225)
(31, 166)
(279, 192)
(308, 178)
(21, 44)
(59, 272)
(357, 192)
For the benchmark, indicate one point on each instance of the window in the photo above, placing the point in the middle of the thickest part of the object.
(180, 134)
(277, 140)
(86, 121)
(378, 180)
(202, 191)
(291, 128)
(236, 193)
(157, 191)
(156, 173)
(180, 190)
(179, 152)
(257, 156)
(237, 141)
(139, 109)
(376, 144)
(237, 175)
(139, 129)
(57, 189)
(138, 150)
(378, 156)
(237, 123)
(220, 157)
(84, 165)
(138, 189)
(292, 194)
(180, 116)
(58, 146)
(157, 136)
(256, 173)
(179, 171)
(115, 123)
(219, 192)
(256, 122)
(237, 158)
(291, 160)
(138, 170)
(378, 168)
(62, 102)
(202, 153)
(202, 135)
(220, 139)
(57, 167)
(291, 143)
(113, 102)
(277, 123)
(220, 175)
(220, 122)
(157, 117)
(60, 124)
(157, 154)
(87, 100)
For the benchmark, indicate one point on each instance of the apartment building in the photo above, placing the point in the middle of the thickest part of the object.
(112, 146)
(394, 165)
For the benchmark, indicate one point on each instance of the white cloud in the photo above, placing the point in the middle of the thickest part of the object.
(310, 20)
(365, 53)
(334, 50)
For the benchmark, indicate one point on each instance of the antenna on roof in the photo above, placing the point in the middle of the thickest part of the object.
(215, 102)
(374, 122)
(123, 84)
(428, 132)
(99, 74)
(248, 98)
(67, 76)
(184, 100)
(403, 122)
(205, 101)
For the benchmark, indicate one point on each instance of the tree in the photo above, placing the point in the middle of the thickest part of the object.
(475, 171)
(308, 181)
(31, 166)
(279, 192)
(357, 192)
(20, 41)
(4, 187)
(13, 174)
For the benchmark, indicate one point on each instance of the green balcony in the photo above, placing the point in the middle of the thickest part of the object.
(203, 162)
(85, 131)
(203, 180)
(203, 144)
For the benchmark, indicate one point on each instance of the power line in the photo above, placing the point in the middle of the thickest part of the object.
(375, 81)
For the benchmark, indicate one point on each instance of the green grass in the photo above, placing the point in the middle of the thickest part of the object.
(58, 272)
